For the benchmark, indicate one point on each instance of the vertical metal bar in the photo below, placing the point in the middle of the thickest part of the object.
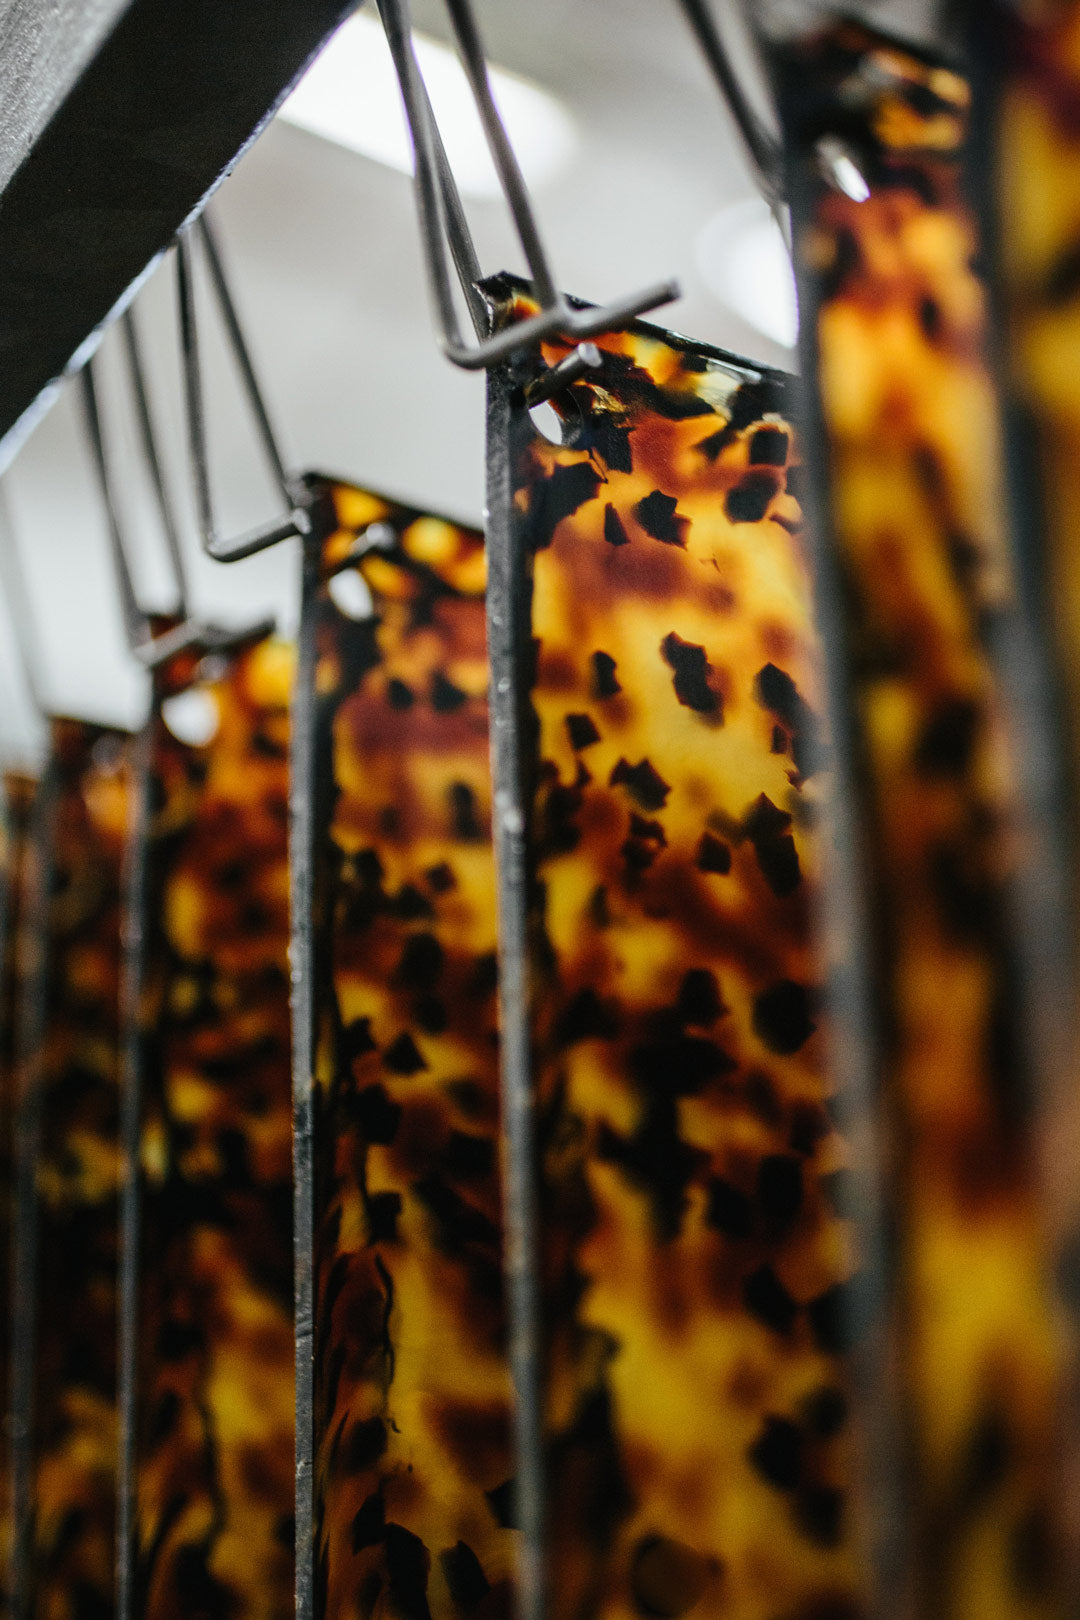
(507, 643)
(134, 619)
(458, 234)
(764, 152)
(32, 981)
(132, 979)
(429, 197)
(243, 358)
(502, 152)
(193, 390)
(148, 435)
(302, 833)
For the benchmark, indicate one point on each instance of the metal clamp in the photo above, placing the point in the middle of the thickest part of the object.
(297, 521)
(444, 230)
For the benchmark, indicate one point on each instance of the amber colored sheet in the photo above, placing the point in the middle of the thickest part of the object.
(412, 1390)
(1038, 129)
(895, 329)
(17, 797)
(214, 1379)
(696, 1273)
(69, 1107)
(1031, 57)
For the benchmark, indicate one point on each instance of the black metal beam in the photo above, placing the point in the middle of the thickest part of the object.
(159, 116)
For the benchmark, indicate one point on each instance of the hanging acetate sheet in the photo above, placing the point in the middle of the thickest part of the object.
(697, 1272)
(17, 798)
(208, 1238)
(68, 1046)
(895, 334)
(410, 1435)
(1031, 60)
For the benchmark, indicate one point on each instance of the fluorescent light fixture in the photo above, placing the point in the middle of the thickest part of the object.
(350, 96)
(744, 262)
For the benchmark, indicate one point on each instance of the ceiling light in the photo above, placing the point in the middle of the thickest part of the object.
(350, 96)
(744, 262)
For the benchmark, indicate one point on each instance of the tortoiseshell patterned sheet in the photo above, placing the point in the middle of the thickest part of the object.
(1031, 58)
(69, 1100)
(214, 1380)
(1038, 127)
(412, 1390)
(696, 1271)
(17, 793)
(895, 335)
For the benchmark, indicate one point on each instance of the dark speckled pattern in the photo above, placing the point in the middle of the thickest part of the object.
(412, 1389)
(697, 1278)
(894, 308)
(72, 1091)
(213, 1485)
(17, 799)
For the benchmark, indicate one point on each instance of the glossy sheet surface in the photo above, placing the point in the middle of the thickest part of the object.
(69, 1120)
(1031, 59)
(696, 1273)
(214, 1380)
(412, 1390)
(17, 799)
(895, 325)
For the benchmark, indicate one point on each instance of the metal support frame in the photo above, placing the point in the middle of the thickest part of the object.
(137, 141)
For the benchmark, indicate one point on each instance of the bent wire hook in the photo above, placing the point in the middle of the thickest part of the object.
(444, 230)
(149, 648)
(297, 521)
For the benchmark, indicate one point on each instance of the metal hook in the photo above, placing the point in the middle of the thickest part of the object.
(443, 225)
(151, 650)
(148, 434)
(294, 492)
(136, 622)
(764, 150)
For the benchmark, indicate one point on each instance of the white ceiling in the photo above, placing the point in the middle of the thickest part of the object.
(325, 258)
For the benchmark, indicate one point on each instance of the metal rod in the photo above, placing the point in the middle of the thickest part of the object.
(429, 202)
(148, 435)
(508, 639)
(193, 391)
(298, 521)
(254, 541)
(585, 358)
(244, 361)
(458, 235)
(765, 153)
(302, 835)
(444, 227)
(136, 625)
(149, 649)
(513, 181)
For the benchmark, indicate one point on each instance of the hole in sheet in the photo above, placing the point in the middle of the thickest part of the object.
(350, 594)
(548, 423)
(192, 716)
